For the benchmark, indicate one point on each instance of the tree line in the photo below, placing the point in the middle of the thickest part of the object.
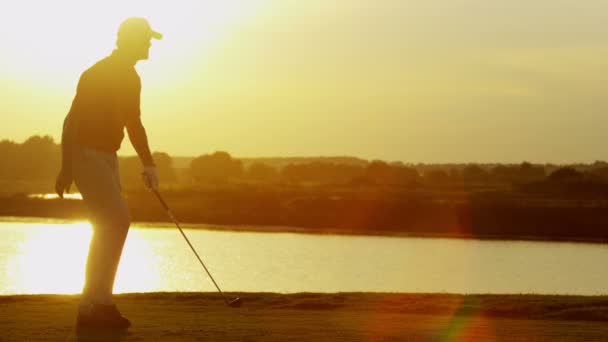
(38, 159)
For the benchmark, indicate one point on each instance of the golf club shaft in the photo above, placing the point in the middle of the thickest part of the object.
(170, 214)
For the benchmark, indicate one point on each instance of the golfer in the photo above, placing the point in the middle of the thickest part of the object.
(107, 100)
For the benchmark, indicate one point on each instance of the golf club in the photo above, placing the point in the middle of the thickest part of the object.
(236, 302)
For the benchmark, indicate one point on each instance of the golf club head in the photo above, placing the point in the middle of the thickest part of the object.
(235, 303)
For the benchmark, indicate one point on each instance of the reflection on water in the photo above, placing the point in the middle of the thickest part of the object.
(49, 257)
(72, 196)
(44, 260)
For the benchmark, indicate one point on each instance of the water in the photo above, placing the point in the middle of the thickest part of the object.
(49, 257)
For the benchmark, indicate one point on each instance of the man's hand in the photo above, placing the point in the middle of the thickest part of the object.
(150, 178)
(63, 182)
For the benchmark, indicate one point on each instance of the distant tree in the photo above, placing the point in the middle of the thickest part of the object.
(403, 175)
(437, 176)
(130, 170)
(523, 173)
(566, 175)
(503, 173)
(474, 173)
(346, 173)
(378, 171)
(531, 173)
(599, 164)
(262, 172)
(398, 174)
(218, 167)
(164, 165)
(322, 173)
(36, 159)
(600, 173)
(9, 154)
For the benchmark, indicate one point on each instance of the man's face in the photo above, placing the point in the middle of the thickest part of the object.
(138, 47)
(142, 48)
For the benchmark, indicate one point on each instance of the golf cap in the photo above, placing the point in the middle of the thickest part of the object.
(137, 27)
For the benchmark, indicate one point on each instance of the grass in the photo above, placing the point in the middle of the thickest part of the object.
(317, 317)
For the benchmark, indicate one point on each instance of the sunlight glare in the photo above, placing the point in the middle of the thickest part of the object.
(50, 261)
(137, 270)
(61, 38)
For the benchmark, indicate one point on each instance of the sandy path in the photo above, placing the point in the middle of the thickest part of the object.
(315, 317)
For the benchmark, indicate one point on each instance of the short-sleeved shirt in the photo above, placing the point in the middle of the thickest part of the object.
(107, 98)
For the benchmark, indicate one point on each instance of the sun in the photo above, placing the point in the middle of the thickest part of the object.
(51, 42)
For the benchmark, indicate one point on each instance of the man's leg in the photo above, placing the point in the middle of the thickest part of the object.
(96, 175)
(105, 251)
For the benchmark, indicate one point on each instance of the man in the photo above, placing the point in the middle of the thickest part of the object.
(107, 100)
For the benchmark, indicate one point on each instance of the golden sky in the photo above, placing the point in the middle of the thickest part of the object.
(417, 81)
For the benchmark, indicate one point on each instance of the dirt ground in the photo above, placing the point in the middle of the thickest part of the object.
(317, 317)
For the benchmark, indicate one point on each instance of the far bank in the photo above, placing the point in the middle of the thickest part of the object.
(482, 215)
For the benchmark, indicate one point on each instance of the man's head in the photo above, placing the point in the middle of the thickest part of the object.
(134, 36)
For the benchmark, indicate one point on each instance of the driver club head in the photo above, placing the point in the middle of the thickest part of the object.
(235, 303)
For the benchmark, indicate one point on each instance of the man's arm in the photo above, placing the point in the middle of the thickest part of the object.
(68, 134)
(68, 139)
(67, 142)
(64, 179)
(139, 140)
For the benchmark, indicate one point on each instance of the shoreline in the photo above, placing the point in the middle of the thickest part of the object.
(319, 231)
(400, 214)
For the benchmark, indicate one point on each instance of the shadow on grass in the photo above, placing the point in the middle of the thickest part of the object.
(99, 335)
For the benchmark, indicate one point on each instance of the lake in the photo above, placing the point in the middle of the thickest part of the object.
(46, 256)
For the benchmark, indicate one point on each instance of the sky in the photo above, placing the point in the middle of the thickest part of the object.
(413, 81)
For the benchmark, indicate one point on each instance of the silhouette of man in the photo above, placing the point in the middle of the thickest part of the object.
(107, 100)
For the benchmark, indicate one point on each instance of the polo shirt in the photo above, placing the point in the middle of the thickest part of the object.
(107, 98)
